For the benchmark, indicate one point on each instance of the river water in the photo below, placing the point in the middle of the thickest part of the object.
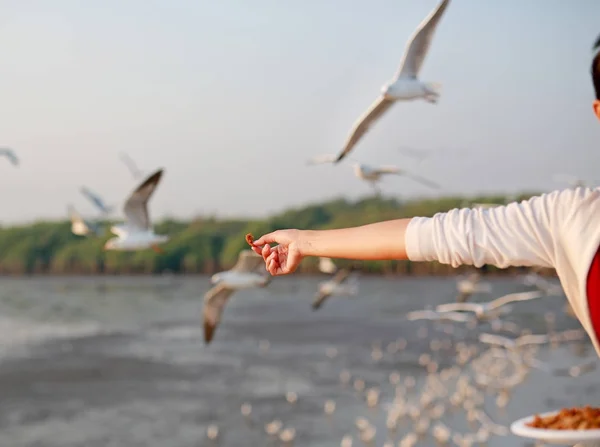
(121, 361)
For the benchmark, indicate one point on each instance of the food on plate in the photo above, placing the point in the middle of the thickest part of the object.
(585, 418)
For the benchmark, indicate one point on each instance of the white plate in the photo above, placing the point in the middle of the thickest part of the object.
(556, 437)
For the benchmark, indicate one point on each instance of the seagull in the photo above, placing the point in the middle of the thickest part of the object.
(335, 286)
(96, 200)
(373, 175)
(135, 171)
(137, 233)
(471, 320)
(10, 154)
(81, 226)
(405, 86)
(512, 344)
(485, 309)
(471, 285)
(438, 316)
(243, 275)
(326, 265)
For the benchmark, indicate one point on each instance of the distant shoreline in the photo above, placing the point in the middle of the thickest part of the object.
(206, 245)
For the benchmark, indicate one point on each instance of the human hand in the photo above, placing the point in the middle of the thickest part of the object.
(283, 258)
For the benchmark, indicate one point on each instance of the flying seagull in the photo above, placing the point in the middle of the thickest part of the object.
(137, 232)
(373, 175)
(406, 85)
(81, 226)
(10, 154)
(438, 316)
(136, 172)
(243, 275)
(515, 343)
(338, 286)
(96, 200)
(482, 309)
(470, 285)
(471, 320)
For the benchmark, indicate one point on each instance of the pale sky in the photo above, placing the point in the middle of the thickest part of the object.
(232, 97)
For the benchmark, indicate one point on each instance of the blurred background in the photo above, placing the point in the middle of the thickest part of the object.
(104, 348)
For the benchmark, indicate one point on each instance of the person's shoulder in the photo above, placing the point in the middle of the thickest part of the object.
(575, 201)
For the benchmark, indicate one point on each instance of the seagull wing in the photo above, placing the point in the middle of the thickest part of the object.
(512, 297)
(214, 303)
(377, 109)
(322, 159)
(532, 340)
(74, 216)
(496, 340)
(135, 171)
(388, 170)
(136, 206)
(421, 180)
(10, 154)
(457, 307)
(78, 225)
(320, 298)
(417, 48)
(247, 261)
(341, 276)
(93, 197)
(423, 315)
(457, 316)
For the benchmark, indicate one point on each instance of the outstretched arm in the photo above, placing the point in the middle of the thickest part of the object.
(519, 234)
(377, 241)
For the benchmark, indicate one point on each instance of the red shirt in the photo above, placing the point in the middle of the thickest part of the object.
(593, 293)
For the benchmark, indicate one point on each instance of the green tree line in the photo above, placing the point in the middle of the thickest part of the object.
(208, 244)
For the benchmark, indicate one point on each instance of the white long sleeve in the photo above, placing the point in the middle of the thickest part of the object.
(519, 234)
(560, 229)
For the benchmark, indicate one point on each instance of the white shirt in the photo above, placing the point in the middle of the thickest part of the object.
(560, 230)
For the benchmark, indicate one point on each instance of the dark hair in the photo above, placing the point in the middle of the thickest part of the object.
(596, 68)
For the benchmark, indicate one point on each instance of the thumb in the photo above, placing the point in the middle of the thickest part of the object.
(266, 239)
